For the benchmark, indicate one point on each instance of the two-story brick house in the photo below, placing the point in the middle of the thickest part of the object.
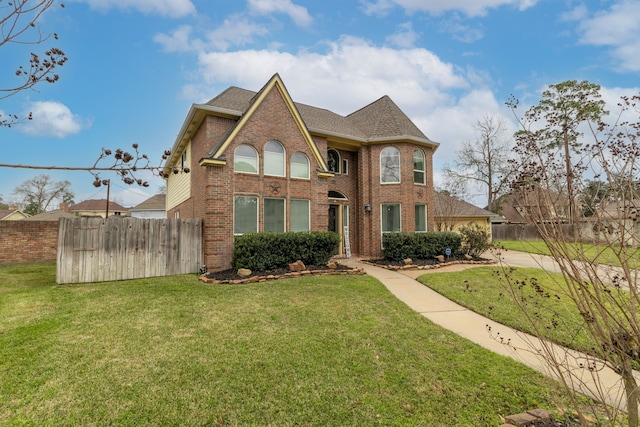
(261, 162)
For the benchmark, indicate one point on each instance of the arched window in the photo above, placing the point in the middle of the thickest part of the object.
(245, 159)
(274, 158)
(390, 165)
(418, 167)
(299, 166)
(333, 160)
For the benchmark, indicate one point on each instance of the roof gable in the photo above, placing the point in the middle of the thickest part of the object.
(156, 202)
(275, 83)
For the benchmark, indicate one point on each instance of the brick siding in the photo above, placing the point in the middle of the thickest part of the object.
(22, 241)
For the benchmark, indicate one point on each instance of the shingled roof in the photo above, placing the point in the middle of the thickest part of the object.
(156, 202)
(379, 122)
(97, 205)
(380, 119)
(450, 206)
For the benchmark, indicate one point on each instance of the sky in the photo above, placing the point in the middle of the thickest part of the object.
(136, 66)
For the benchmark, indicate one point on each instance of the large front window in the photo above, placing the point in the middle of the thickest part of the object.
(245, 214)
(274, 215)
(391, 218)
(390, 165)
(274, 158)
(299, 215)
(418, 167)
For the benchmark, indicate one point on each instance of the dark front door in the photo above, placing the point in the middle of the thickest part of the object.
(334, 224)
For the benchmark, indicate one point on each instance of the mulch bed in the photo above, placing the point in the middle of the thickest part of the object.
(231, 275)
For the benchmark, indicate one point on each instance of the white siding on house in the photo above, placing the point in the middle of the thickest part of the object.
(179, 185)
(150, 214)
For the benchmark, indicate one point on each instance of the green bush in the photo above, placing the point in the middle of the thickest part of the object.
(398, 246)
(475, 239)
(268, 251)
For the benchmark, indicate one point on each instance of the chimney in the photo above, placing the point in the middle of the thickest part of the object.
(64, 207)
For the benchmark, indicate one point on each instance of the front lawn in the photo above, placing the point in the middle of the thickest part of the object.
(538, 293)
(582, 251)
(306, 351)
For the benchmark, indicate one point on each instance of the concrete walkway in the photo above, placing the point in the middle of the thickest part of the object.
(494, 336)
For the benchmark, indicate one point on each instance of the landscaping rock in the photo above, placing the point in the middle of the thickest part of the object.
(332, 265)
(407, 261)
(440, 258)
(244, 272)
(297, 266)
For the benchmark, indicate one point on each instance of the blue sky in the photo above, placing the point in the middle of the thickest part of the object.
(135, 67)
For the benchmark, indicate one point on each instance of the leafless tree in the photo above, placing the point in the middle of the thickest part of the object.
(19, 25)
(38, 193)
(607, 298)
(485, 161)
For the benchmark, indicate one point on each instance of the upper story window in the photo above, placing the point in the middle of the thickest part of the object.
(390, 165)
(419, 174)
(299, 166)
(245, 159)
(333, 160)
(274, 159)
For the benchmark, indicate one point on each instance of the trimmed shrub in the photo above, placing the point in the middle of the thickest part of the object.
(475, 239)
(398, 246)
(269, 251)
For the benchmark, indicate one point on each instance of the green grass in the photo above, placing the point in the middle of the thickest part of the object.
(482, 291)
(603, 254)
(307, 351)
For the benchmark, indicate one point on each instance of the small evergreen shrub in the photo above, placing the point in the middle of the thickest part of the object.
(475, 239)
(398, 246)
(269, 251)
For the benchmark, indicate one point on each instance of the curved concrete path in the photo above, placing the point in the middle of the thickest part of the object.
(492, 335)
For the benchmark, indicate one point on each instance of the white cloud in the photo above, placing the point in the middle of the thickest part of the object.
(234, 31)
(179, 40)
(405, 36)
(298, 14)
(468, 7)
(170, 8)
(618, 28)
(51, 118)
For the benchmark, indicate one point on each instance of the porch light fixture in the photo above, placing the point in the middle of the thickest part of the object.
(367, 207)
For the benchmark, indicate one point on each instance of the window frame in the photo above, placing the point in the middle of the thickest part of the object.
(282, 221)
(257, 213)
(271, 156)
(383, 216)
(307, 164)
(338, 160)
(256, 158)
(424, 206)
(291, 215)
(422, 171)
(385, 154)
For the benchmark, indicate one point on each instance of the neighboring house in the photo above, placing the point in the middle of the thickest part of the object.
(50, 216)
(260, 162)
(534, 206)
(12, 214)
(98, 208)
(153, 207)
(451, 214)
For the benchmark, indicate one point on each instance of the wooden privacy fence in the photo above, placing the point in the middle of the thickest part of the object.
(98, 249)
